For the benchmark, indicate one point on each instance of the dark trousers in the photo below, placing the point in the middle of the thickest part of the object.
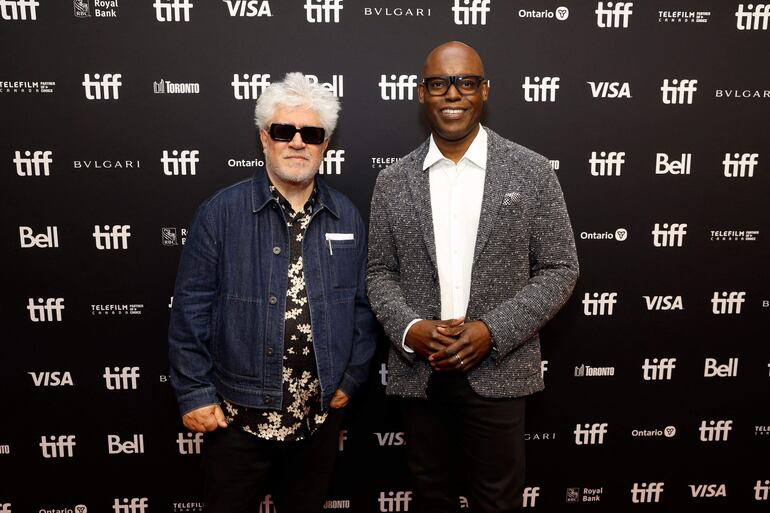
(240, 468)
(458, 441)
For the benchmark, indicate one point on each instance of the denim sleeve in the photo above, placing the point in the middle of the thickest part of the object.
(189, 333)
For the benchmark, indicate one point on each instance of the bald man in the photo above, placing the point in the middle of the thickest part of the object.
(471, 252)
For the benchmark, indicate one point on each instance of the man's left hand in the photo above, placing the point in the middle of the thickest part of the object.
(474, 342)
(339, 400)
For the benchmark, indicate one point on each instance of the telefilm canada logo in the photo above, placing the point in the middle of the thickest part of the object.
(734, 235)
(96, 8)
(26, 87)
(383, 162)
(683, 16)
(113, 309)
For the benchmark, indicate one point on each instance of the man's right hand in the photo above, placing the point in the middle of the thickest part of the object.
(423, 337)
(206, 418)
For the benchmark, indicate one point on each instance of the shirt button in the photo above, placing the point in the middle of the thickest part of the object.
(267, 400)
(269, 351)
(276, 250)
(273, 300)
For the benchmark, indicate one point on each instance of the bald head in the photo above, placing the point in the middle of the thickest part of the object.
(453, 55)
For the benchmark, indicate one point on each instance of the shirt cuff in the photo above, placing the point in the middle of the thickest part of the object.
(403, 338)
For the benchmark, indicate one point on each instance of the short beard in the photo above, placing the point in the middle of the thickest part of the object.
(293, 178)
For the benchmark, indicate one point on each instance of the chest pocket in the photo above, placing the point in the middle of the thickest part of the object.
(341, 249)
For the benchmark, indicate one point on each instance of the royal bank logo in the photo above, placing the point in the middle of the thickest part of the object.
(19, 10)
(471, 12)
(540, 89)
(581, 495)
(49, 239)
(713, 369)
(249, 87)
(167, 87)
(397, 87)
(61, 446)
(248, 8)
(599, 303)
(658, 369)
(607, 163)
(740, 165)
(666, 236)
(667, 432)
(613, 15)
(752, 16)
(170, 236)
(179, 162)
(588, 371)
(620, 235)
(51, 378)
(646, 492)
(398, 12)
(663, 303)
(33, 163)
(113, 237)
(610, 89)
(678, 91)
(134, 445)
(172, 10)
(683, 16)
(390, 439)
(189, 443)
(531, 493)
(715, 430)
(26, 87)
(95, 8)
(666, 165)
(121, 378)
(187, 507)
(323, 11)
(130, 505)
(45, 309)
(762, 490)
(383, 162)
(590, 434)
(560, 14)
(102, 87)
(727, 303)
(734, 235)
(116, 309)
(394, 501)
(332, 162)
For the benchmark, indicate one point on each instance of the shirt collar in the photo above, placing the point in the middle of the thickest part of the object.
(309, 204)
(476, 152)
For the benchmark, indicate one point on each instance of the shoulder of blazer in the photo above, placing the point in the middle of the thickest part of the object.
(522, 159)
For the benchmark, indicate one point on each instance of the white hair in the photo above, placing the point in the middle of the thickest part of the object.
(296, 91)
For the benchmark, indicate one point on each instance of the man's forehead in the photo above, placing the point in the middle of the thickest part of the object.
(453, 60)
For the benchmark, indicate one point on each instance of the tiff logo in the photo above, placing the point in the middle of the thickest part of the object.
(172, 10)
(250, 87)
(740, 165)
(727, 302)
(531, 493)
(180, 163)
(189, 443)
(323, 11)
(679, 92)
(537, 90)
(762, 490)
(102, 87)
(715, 430)
(590, 434)
(248, 8)
(607, 163)
(394, 501)
(133, 505)
(62, 446)
(667, 236)
(5, 507)
(19, 9)
(121, 378)
(399, 87)
(471, 12)
(332, 163)
(30, 164)
(674, 167)
(753, 18)
(115, 237)
(49, 239)
(657, 370)
(613, 16)
(646, 492)
(600, 304)
(47, 310)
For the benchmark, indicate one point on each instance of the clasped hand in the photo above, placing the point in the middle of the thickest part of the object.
(450, 345)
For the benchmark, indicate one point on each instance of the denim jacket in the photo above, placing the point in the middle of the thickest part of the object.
(227, 322)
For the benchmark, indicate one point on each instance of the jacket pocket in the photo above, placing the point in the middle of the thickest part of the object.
(238, 346)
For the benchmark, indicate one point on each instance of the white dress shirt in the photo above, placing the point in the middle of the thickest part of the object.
(456, 192)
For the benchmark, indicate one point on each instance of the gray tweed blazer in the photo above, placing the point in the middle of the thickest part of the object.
(524, 267)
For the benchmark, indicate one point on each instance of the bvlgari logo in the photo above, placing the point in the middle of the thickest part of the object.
(397, 12)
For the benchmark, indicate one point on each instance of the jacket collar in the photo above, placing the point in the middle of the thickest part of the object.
(261, 195)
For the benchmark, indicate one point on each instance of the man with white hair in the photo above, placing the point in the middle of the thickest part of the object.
(271, 332)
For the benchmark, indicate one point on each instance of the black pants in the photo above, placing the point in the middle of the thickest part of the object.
(240, 468)
(458, 441)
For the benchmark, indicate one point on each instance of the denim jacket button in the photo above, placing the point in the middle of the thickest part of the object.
(267, 400)
(276, 250)
(273, 300)
(269, 351)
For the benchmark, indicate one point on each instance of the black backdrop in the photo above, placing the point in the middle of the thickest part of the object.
(671, 412)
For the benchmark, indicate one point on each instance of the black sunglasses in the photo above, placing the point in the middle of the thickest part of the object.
(465, 84)
(285, 133)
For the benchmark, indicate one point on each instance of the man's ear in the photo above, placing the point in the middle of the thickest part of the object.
(263, 138)
(421, 93)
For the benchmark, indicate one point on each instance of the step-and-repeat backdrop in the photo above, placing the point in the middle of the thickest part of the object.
(119, 117)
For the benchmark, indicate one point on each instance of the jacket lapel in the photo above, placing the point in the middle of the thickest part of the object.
(419, 187)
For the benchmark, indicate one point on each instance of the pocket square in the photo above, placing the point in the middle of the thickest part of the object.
(510, 198)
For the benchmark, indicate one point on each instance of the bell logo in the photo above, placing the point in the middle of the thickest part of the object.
(610, 89)
(121, 378)
(19, 9)
(470, 12)
(172, 10)
(762, 490)
(531, 493)
(740, 165)
(49, 239)
(51, 379)
(248, 8)
(752, 17)
(657, 370)
(335, 87)
(189, 443)
(250, 87)
(708, 490)
(180, 162)
(398, 87)
(113, 237)
(679, 92)
(715, 430)
(613, 16)
(665, 236)
(663, 302)
(727, 370)
(61, 446)
(727, 303)
(133, 446)
(323, 11)
(590, 434)
(133, 505)
(600, 304)
(390, 439)
(646, 492)
(33, 163)
(106, 87)
(45, 310)
(332, 162)
(394, 501)
(675, 167)
(607, 163)
(539, 89)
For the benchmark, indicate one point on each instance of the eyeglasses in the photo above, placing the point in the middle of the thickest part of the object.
(466, 85)
(285, 133)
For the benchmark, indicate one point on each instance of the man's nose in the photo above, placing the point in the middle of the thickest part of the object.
(453, 93)
(296, 141)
